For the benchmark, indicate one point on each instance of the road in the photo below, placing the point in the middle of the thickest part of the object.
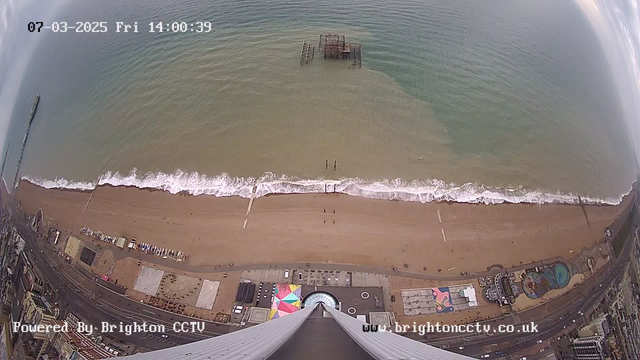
(74, 293)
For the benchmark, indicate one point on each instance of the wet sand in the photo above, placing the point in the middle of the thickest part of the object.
(304, 228)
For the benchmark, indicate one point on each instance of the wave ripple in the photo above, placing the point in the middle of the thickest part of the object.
(422, 191)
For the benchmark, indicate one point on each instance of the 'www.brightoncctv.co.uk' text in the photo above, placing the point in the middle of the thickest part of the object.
(428, 328)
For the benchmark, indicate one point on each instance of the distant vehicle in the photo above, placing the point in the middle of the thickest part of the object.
(286, 273)
(580, 313)
(164, 336)
(541, 350)
(574, 320)
(539, 342)
(237, 309)
(299, 276)
(461, 347)
(523, 358)
(485, 356)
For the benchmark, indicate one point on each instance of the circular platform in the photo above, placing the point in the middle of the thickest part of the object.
(320, 297)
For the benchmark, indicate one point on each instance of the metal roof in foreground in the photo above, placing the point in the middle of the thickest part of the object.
(262, 341)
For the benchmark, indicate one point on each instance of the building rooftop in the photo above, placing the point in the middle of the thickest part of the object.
(85, 346)
(40, 303)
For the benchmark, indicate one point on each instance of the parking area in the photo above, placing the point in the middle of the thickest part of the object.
(322, 277)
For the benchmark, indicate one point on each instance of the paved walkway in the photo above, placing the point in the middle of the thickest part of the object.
(321, 266)
(120, 254)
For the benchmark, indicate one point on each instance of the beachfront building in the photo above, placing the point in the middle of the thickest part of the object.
(36, 312)
(438, 300)
(588, 348)
(75, 345)
(305, 334)
(502, 289)
(599, 326)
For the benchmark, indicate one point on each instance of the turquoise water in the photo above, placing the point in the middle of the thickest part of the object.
(467, 101)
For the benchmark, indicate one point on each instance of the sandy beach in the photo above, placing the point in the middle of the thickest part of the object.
(330, 228)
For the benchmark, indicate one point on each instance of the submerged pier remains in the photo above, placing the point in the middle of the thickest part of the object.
(308, 52)
(333, 46)
(34, 107)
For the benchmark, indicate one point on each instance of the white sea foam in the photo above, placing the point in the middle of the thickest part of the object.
(416, 191)
(60, 183)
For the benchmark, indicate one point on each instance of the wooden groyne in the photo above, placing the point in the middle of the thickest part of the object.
(26, 136)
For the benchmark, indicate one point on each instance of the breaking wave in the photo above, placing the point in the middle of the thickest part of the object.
(416, 191)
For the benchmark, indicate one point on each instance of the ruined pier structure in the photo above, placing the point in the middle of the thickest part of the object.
(333, 46)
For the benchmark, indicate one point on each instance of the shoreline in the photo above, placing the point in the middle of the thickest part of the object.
(422, 191)
(187, 194)
(305, 228)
